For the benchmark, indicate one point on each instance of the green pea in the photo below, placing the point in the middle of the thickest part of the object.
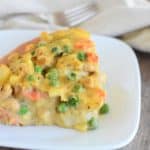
(62, 107)
(73, 101)
(72, 76)
(41, 44)
(33, 53)
(56, 50)
(23, 110)
(66, 49)
(38, 69)
(104, 109)
(30, 78)
(54, 83)
(81, 56)
(53, 76)
(92, 124)
(78, 88)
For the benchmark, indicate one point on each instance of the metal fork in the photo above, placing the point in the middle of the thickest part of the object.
(67, 18)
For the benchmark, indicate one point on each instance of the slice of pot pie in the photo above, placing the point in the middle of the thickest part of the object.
(52, 80)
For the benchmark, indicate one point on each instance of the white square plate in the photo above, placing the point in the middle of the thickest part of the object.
(116, 129)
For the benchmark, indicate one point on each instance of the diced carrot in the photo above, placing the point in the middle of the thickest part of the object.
(101, 93)
(83, 44)
(91, 57)
(33, 95)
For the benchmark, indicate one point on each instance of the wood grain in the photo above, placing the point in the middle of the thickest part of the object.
(142, 139)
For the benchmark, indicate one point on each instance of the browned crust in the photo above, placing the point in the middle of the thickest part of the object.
(20, 49)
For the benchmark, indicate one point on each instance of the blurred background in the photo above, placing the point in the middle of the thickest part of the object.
(128, 20)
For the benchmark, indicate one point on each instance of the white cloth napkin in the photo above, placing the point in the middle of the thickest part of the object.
(116, 17)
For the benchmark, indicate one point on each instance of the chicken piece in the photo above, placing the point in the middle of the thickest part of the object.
(10, 104)
(90, 81)
(43, 57)
(5, 91)
(88, 67)
(69, 62)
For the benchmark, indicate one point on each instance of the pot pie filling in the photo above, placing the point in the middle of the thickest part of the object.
(53, 80)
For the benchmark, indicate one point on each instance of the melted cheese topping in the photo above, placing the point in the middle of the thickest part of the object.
(55, 80)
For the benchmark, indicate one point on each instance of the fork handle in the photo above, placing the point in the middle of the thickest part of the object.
(41, 16)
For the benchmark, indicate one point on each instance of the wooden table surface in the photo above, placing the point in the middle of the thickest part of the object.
(142, 139)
